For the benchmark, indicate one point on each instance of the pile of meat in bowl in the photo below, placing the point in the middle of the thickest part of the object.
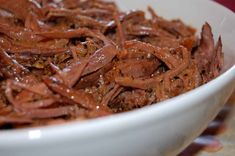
(76, 60)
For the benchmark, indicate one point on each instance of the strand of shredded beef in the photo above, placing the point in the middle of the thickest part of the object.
(80, 59)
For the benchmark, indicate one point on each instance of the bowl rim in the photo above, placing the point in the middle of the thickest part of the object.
(49, 134)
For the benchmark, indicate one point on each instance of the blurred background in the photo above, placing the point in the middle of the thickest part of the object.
(228, 3)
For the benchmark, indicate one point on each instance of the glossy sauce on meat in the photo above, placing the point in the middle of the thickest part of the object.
(80, 59)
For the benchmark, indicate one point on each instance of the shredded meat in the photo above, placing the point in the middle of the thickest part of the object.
(79, 59)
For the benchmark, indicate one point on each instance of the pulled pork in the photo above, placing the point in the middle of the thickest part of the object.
(80, 59)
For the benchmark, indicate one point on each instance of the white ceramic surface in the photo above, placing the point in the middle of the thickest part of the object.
(158, 130)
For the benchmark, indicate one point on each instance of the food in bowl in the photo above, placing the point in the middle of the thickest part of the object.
(75, 60)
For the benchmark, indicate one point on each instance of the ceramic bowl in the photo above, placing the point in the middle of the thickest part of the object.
(163, 129)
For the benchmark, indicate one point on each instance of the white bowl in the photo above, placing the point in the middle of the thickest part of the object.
(163, 129)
